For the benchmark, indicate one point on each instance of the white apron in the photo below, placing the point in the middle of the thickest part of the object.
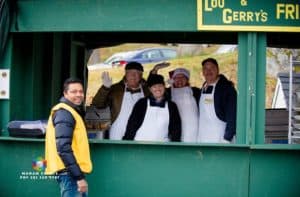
(211, 128)
(188, 110)
(118, 127)
(155, 126)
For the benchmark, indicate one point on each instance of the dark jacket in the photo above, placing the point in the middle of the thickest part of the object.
(113, 97)
(225, 102)
(64, 124)
(138, 114)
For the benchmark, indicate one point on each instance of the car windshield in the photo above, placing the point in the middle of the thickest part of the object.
(120, 56)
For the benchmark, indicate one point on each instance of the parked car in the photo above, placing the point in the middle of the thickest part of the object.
(143, 56)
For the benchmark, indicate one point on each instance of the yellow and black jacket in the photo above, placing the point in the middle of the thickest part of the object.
(66, 144)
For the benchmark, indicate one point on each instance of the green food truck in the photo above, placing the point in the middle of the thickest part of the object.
(43, 42)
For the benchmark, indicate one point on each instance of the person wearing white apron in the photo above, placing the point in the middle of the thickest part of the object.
(121, 97)
(211, 128)
(117, 129)
(155, 125)
(217, 106)
(154, 118)
(186, 99)
(188, 110)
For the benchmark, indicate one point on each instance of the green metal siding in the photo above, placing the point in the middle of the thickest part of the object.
(130, 169)
(30, 98)
(165, 170)
(251, 88)
(154, 169)
(5, 63)
(39, 63)
(101, 15)
(274, 173)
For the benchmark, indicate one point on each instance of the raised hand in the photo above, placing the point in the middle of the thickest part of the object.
(106, 80)
(160, 66)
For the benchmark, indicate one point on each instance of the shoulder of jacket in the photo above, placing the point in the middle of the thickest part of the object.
(171, 103)
(224, 82)
(63, 115)
(195, 89)
(116, 88)
(142, 100)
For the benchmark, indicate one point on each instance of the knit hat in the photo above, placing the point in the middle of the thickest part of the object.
(155, 79)
(183, 71)
(134, 65)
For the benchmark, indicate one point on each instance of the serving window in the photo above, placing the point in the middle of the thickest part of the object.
(188, 56)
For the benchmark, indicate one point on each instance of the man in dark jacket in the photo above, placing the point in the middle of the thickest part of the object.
(67, 149)
(217, 106)
(121, 97)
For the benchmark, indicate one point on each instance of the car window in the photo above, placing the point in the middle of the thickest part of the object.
(146, 55)
(153, 54)
(120, 56)
(169, 53)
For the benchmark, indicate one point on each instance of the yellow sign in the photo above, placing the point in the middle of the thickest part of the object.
(245, 15)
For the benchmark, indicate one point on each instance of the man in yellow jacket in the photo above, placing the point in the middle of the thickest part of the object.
(66, 146)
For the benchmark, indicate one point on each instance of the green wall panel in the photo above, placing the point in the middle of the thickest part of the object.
(30, 79)
(251, 88)
(158, 170)
(154, 169)
(102, 15)
(17, 164)
(122, 169)
(40, 64)
(5, 63)
(275, 173)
